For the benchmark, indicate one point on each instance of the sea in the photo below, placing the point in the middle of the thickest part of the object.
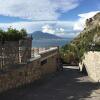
(44, 43)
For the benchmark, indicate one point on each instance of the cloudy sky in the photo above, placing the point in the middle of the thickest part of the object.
(60, 17)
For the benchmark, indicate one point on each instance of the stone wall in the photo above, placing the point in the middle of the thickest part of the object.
(9, 53)
(14, 52)
(36, 68)
(49, 60)
(91, 62)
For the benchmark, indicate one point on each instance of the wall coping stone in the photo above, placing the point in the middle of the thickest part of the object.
(46, 51)
(34, 58)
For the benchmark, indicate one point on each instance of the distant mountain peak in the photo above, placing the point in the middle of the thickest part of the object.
(42, 35)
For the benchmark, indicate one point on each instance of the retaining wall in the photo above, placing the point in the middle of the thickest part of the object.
(91, 62)
(36, 68)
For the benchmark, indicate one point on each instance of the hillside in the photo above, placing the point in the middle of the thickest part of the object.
(40, 35)
(91, 32)
(88, 39)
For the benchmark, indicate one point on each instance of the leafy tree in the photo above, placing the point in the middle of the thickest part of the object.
(12, 34)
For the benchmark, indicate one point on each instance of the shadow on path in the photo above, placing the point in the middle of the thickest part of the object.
(66, 85)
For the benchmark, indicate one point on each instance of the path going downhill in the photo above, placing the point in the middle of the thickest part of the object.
(69, 84)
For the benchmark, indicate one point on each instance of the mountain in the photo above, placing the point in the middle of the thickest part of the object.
(42, 35)
(87, 40)
(91, 32)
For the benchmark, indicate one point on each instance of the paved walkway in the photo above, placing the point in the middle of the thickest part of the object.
(66, 85)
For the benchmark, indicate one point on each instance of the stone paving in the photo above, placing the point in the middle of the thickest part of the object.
(69, 84)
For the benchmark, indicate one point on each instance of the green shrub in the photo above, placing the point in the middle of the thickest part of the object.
(74, 51)
(12, 34)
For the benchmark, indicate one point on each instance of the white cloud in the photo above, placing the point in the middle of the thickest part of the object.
(29, 26)
(59, 28)
(48, 29)
(62, 30)
(80, 23)
(53, 30)
(36, 9)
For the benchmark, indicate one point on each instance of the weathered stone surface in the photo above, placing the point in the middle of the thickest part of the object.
(92, 64)
(27, 73)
